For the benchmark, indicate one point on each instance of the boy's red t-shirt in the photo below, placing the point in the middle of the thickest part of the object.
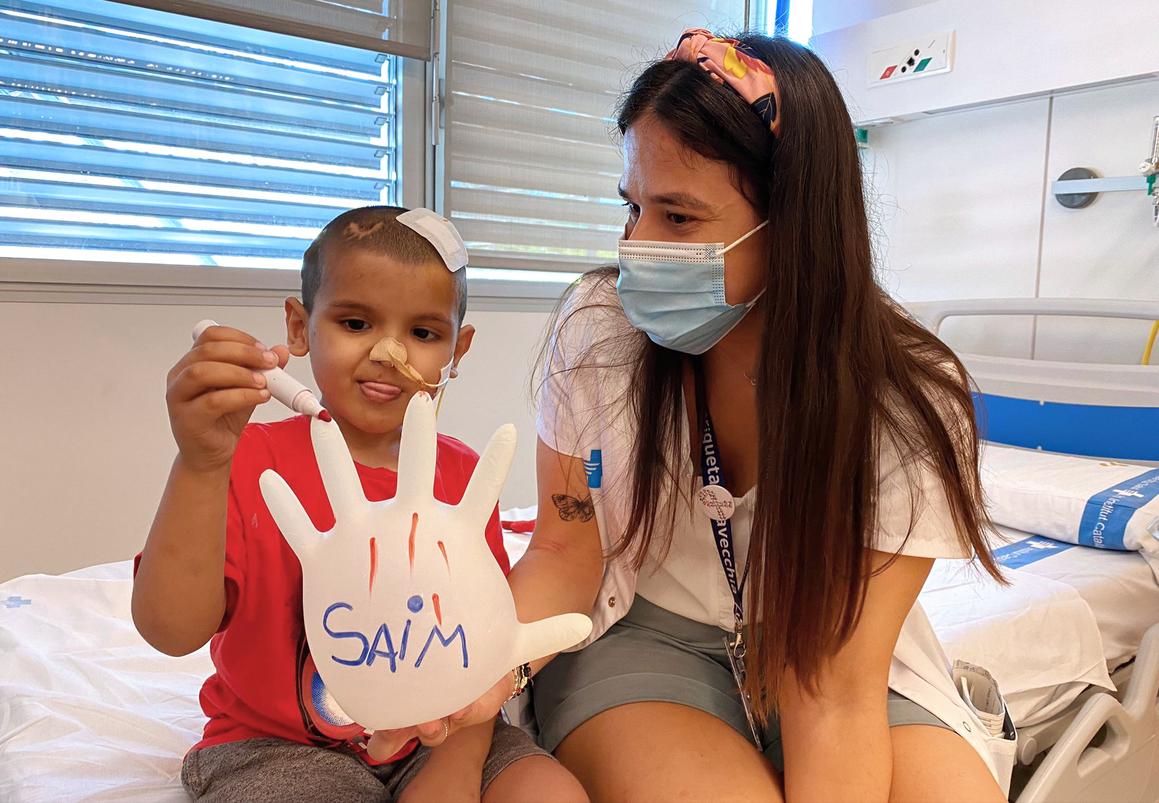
(259, 649)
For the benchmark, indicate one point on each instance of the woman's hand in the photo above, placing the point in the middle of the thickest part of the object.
(845, 720)
(384, 744)
(487, 707)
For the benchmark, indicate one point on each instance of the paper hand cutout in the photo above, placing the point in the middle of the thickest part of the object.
(408, 616)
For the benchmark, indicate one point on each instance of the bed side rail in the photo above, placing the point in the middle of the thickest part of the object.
(933, 313)
(1110, 752)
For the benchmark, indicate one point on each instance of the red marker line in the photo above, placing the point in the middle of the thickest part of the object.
(443, 549)
(414, 525)
(373, 563)
(438, 608)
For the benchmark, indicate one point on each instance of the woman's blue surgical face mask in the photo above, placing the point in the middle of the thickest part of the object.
(674, 292)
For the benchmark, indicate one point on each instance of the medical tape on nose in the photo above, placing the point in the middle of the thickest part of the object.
(393, 353)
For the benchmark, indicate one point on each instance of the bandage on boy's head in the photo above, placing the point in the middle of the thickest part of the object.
(376, 229)
(440, 233)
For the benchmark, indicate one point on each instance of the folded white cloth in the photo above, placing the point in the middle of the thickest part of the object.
(1033, 636)
(1096, 503)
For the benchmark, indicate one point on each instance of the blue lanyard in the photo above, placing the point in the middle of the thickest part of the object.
(711, 470)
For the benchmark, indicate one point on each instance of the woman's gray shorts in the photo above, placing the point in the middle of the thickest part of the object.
(653, 655)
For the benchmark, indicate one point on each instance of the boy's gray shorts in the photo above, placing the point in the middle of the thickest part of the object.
(653, 655)
(278, 771)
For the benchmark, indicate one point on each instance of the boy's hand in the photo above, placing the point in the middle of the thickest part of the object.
(213, 390)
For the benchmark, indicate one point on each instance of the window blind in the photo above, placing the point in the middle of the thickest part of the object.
(126, 131)
(396, 27)
(531, 161)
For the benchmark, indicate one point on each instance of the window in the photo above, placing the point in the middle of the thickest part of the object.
(128, 134)
(791, 18)
(800, 27)
(531, 162)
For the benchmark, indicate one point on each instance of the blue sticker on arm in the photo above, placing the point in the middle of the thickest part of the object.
(594, 468)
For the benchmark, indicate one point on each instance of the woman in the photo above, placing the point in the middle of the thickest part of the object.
(742, 344)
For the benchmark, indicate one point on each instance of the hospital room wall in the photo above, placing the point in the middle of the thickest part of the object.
(86, 439)
(829, 15)
(961, 208)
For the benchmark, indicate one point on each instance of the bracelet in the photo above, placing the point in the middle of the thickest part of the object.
(522, 677)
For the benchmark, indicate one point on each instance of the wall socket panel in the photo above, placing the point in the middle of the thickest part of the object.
(922, 56)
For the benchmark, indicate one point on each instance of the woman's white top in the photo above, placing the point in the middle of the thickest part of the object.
(689, 580)
(584, 413)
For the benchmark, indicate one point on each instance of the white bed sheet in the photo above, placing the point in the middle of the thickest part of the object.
(1035, 636)
(1065, 622)
(88, 710)
(1119, 587)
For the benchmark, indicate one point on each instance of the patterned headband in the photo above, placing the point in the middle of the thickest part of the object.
(734, 65)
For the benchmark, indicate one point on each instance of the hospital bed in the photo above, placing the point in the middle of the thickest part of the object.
(1083, 738)
(88, 711)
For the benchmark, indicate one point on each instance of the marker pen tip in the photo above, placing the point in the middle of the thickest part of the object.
(325, 416)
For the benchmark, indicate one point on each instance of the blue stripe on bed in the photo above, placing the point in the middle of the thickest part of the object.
(1124, 433)
(1105, 517)
(1028, 550)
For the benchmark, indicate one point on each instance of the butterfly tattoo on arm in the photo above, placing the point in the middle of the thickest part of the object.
(570, 508)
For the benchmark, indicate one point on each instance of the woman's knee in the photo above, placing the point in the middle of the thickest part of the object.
(654, 751)
(931, 763)
(535, 779)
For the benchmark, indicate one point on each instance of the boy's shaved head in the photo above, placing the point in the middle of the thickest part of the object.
(375, 229)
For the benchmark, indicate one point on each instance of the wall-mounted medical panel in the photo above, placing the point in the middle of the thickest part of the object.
(994, 51)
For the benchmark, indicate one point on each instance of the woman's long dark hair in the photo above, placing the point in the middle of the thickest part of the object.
(843, 375)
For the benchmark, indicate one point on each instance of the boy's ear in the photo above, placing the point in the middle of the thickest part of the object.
(462, 345)
(297, 328)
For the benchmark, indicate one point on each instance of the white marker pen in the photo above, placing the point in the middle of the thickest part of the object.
(282, 386)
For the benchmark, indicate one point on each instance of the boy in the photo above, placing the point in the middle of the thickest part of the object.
(216, 566)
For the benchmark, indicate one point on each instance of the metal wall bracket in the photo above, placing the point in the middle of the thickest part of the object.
(1079, 186)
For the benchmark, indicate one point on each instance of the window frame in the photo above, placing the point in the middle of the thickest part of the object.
(37, 279)
(91, 281)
